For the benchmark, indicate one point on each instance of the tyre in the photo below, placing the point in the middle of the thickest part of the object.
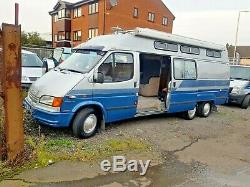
(85, 123)
(204, 109)
(191, 114)
(245, 102)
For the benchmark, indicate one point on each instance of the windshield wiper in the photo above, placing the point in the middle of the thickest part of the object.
(71, 70)
(240, 79)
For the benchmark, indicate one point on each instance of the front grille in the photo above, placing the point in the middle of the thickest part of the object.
(33, 98)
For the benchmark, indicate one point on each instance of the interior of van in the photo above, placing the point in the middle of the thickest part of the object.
(155, 76)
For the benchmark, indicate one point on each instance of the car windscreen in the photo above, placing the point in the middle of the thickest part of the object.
(240, 73)
(82, 60)
(31, 60)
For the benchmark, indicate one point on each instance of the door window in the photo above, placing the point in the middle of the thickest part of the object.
(185, 69)
(118, 67)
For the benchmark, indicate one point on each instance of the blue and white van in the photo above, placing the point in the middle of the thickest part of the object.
(240, 86)
(130, 74)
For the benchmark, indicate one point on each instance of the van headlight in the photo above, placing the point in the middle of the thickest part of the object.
(237, 90)
(51, 101)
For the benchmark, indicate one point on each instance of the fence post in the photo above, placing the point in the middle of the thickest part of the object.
(11, 72)
(1, 94)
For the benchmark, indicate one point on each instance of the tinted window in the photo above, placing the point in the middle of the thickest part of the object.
(190, 50)
(184, 69)
(118, 67)
(31, 60)
(166, 46)
(212, 53)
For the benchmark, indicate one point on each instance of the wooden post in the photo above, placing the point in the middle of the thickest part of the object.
(11, 72)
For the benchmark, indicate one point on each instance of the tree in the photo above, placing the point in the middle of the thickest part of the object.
(32, 38)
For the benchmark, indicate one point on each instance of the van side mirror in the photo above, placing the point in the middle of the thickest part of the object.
(99, 77)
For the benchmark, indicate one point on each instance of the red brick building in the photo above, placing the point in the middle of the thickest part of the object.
(74, 23)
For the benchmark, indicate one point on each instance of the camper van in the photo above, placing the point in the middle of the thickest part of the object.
(130, 74)
(240, 86)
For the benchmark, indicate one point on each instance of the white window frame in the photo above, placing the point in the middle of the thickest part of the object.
(165, 21)
(77, 35)
(136, 12)
(77, 12)
(93, 32)
(94, 8)
(151, 17)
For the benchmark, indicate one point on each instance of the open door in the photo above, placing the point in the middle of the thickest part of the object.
(184, 90)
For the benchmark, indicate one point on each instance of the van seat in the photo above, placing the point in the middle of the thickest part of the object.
(151, 89)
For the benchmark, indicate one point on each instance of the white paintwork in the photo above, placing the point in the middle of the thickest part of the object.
(55, 83)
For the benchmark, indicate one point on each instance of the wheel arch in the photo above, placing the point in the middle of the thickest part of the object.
(95, 105)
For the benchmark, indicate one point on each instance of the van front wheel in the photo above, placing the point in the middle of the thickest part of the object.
(85, 123)
(204, 109)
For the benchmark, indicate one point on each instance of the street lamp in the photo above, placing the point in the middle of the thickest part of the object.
(237, 32)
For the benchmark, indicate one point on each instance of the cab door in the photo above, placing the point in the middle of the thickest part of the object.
(119, 91)
(184, 89)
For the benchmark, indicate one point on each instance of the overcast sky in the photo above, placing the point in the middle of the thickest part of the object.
(211, 20)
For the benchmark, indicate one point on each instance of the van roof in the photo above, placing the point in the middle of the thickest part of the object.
(133, 39)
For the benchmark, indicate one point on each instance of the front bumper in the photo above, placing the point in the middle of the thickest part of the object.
(53, 119)
(236, 99)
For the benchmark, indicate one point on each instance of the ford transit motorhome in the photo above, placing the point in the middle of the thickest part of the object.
(130, 74)
(240, 86)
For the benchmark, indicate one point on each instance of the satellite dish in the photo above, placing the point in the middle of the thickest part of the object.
(113, 3)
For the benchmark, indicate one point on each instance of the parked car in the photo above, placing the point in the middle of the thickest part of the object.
(131, 74)
(59, 55)
(240, 86)
(32, 68)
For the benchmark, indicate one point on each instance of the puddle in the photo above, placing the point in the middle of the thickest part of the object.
(171, 173)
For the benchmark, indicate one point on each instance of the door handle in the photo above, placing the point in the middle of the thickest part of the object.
(135, 84)
(174, 84)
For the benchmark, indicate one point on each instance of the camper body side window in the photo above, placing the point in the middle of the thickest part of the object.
(185, 69)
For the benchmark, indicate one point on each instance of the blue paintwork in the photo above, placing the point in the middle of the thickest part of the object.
(54, 119)
(186, 100)
(120, 104)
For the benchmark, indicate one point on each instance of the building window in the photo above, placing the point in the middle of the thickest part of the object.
(185, 69)
(164, 21)
(55, 17)
(63, 13)
(118, 67)
(67, 35)
(77, 12)
(151, 16)
(136, 13)
(93, 8)
(93, 32)
(61, 36)
(77, 35)
(56, 38)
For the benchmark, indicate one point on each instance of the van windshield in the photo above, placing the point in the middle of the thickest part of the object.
(82, 61)
(241, 73)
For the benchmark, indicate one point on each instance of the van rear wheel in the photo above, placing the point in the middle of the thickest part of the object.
(204, 109)
(245, 102)
(85, 123)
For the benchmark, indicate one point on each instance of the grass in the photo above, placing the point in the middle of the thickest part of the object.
(45, 146)
(46, 151)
